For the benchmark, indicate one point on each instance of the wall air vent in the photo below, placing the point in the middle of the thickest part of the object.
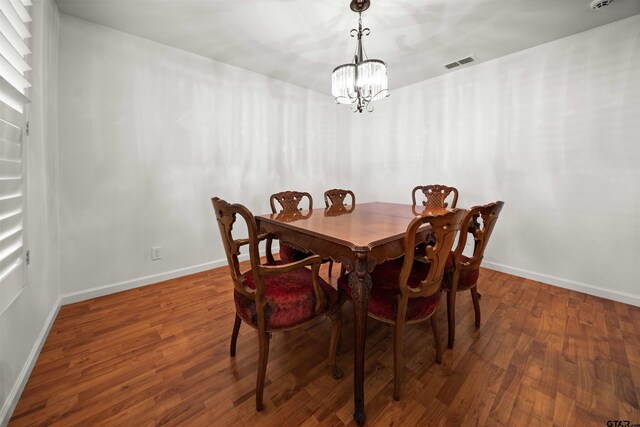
(599, 4)
(467, 60)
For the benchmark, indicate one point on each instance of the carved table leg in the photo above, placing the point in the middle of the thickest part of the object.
(360, 284)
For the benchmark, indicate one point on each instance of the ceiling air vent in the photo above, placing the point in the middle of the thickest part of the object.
(598, 4)
(467, 60)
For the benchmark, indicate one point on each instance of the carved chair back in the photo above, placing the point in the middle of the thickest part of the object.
(443, 232)
(336, 196)
(478, 221)
(435, 195)
(226, 215)
(289, 201)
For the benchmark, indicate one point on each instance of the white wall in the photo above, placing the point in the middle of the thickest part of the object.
(554, 131)
(25, 323)
(149, 133)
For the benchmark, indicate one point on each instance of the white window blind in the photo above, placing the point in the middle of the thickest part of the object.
(14, 84)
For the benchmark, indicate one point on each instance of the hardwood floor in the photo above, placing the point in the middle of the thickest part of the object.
(160, 355)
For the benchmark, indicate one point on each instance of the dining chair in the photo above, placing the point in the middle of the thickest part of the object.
(435, 195)
(334, 203)
(273, 297)
(289, 202)
(461, 272)
(407, 290)
(335, 197)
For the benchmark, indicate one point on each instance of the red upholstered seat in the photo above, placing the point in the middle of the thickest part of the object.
(288, 254)
(383, 301)
(468, 277)
(290, 298)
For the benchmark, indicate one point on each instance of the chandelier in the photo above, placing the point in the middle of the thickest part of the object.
(363, 80)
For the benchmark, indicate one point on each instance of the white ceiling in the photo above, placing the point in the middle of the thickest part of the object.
(301, 41)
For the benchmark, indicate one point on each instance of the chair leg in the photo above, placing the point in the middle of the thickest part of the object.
(234, 335)
(341, 300)
(268, 252)
(263, 357)
(398, 362)
(476, 304)
(436, 337)
(451, 315)
(336, 336)
(330, 267)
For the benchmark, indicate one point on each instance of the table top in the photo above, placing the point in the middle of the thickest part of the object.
(365, 224)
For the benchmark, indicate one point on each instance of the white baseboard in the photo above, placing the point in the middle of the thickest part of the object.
(100, 291)
(14, 395)
(112, 288)
(623, 297)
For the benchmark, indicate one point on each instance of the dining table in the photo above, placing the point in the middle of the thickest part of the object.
(359, 237)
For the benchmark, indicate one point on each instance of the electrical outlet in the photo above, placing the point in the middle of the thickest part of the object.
(155, 253)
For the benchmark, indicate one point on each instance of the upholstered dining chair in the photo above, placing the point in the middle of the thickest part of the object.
(289, 202)
(407, 290)
(435, 195)
(273, 297)
(334, 202)
(461, 272)
(336, 197)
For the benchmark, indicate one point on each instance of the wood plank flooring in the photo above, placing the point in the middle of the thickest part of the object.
(159, 355)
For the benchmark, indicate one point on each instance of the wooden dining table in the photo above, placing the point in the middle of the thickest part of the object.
(359, 237)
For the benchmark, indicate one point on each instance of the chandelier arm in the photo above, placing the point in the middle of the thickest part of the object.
(364, 97)
(370, 107)
(351, 99)
(369, 99)
(379, 92)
